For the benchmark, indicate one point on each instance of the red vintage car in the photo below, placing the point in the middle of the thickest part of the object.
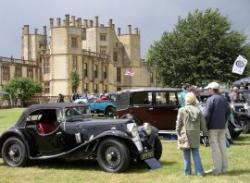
(157, 106)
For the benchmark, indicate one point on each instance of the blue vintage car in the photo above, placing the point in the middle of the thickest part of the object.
(107, 107)
(97, 105)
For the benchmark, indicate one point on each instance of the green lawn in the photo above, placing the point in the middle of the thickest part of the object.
(88, 171)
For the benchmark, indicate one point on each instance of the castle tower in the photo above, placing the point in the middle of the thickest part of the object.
(65, 54)
(33, 43)
(131, 43)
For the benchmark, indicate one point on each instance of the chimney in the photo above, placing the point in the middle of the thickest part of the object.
(96, 21)
(113, 26)
(90, 23)
(67, 20)
(26, 29)
(73, 21)
(129, 29)
(118, 31)
(110, 23)
(36, 31)
(59, 22)
(85, 23)
(136, 31)
(79, 22)
(44, 30)
(51, 21)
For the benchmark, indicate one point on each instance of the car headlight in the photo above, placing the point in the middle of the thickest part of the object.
(132, 129)
(245, 106)
(147, 128)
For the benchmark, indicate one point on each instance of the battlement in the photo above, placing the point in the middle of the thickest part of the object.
(26, 31)
(17, 61)
(129, 32)
(72, 21)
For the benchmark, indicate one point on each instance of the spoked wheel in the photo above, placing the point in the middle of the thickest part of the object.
(110, 112)
(14, 152)
(113, 155)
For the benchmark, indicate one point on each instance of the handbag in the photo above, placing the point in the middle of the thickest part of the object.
(182, 141)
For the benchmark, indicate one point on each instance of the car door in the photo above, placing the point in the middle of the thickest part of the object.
(164, 110)
(48, 143)
(141, 106)
(92, 104)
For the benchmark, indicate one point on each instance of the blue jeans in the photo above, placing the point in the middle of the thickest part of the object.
(197, 161)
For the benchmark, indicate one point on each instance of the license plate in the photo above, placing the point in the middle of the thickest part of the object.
(147, 155)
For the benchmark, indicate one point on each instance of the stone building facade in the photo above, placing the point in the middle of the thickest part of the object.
(12, 67)
(105, 59)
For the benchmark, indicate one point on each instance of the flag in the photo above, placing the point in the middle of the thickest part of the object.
(129, 72)
(239, 65)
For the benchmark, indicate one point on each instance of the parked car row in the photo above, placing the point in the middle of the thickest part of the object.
(159, 107)
(66, 130)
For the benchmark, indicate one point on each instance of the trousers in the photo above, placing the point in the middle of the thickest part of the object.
(218, 150)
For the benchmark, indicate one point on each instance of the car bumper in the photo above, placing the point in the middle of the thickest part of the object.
(145, 145)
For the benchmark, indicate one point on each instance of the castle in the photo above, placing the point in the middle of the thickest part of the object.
(106, 60)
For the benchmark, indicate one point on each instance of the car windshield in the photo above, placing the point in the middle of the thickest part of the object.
(76, 113)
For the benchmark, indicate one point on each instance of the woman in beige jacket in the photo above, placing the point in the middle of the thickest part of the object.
(190, 122)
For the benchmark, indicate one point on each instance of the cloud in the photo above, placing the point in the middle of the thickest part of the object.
(151, 17)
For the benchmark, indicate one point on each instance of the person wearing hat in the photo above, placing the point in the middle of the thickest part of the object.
(215, 113)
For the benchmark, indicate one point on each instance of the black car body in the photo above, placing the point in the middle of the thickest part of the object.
(67, 131)
(242, 109)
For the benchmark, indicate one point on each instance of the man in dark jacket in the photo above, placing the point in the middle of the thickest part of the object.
(215, 113)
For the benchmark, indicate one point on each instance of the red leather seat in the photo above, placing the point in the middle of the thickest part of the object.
(46, 127)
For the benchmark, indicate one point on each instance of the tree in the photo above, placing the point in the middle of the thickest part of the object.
(201, 48)
(22, 88)
(75, 80)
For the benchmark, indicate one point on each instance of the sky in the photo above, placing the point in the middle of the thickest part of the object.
(152, 17)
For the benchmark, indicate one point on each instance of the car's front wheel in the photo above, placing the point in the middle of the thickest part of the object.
(14, 152)
(110, 111)
(158, 148)
(113, 155)
(245, 124)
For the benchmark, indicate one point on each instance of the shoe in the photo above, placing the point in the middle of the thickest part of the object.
(200, 174)
(209, 171)
(212, 171)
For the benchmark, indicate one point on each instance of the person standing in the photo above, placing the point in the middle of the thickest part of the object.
(182, 94)
(190, 122)
(216, 112)
(60, 98)
(234, 95)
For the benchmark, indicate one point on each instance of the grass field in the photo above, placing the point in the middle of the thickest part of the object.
(88, 171)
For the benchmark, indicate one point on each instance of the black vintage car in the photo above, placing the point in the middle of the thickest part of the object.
(66, 130)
